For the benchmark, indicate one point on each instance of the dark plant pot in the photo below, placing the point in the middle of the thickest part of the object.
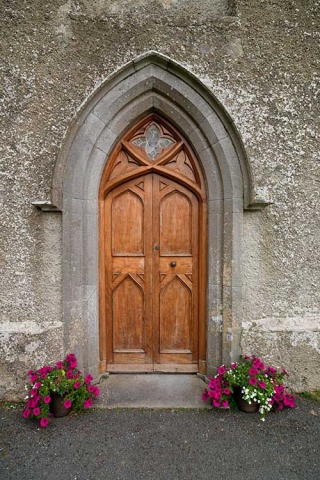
(243, 405)
(57, 408)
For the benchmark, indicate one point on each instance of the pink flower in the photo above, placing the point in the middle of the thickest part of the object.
(70, 357)
(262, 384)
(292, 403)
(96, 391)
(252, 381)
(253, 371)
(205, 395)
(47, 399)
(225, 404)
(211, 393)
(33, 392)
(73, 364)
(43, 375)
(271, 370)
(221, 370)
(30, 373)
(69, 375)
(90, 388)
(67, 403)
(77, 385)
(36, 411)
(44, 422)
(286, 401)
(26, 413)
(33, 378)
(216, 403)
(34, 402)
(217, 395)
(87, 403)
(88, 379)
(37, 385)
(280, 406)
(59, 365)
(227, 391)
(233, 366)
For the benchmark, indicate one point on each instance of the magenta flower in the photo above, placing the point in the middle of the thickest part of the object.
(88, 379)
(77, 385)
(96, 391)
(233, 366)
(33, 378)
(47, 399)
(90, 388)
(30, 373)
(43, 376)
(34, 402)
(253, 371)
(217, 395)
(221, 370)
(205, 395)
(36, 411)
(26, 413)
(216, 403)
(37, 385)
(33, 392)
(252, 381)
(87, 403)
(225, 404)
(59, 365)
(73, 364)
(67, 403)
(44, 422)
(211, 393)
(70, 357)
(262, 384)
(227, 391)
(69, 375)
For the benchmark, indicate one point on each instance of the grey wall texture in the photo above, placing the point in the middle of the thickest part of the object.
(260, 60)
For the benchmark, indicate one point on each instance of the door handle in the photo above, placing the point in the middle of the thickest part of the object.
(173, 264)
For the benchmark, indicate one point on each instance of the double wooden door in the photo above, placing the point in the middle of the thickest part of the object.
(150, 258)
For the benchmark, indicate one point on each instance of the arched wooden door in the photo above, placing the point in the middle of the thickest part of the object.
(152, 248)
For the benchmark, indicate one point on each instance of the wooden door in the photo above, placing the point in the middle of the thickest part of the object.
(150, 259)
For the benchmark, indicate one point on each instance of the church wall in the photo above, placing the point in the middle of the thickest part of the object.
(259, 59)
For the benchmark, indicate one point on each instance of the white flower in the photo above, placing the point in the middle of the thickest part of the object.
(262, 419)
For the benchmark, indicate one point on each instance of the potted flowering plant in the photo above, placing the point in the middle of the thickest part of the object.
(250, 381)
(64, 381)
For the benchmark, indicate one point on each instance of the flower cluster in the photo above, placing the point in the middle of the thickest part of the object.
(257, 382)
(64, 380)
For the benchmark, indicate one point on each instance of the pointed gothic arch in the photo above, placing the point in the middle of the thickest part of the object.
(152, 83)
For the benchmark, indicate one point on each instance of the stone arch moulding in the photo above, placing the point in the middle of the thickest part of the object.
(152, 83)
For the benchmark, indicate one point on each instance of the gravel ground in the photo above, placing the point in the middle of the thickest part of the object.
(163, 444)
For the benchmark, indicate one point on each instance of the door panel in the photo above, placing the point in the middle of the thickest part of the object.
(128, 272)
(175, 223)
(127, 215)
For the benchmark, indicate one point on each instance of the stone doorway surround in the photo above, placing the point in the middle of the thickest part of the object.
(152, 83)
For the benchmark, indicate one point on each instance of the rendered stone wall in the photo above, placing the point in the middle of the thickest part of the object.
(259, 58)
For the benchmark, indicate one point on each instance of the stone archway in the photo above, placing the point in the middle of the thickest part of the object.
(152, 83)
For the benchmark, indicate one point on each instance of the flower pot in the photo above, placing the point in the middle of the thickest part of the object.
(242, 404)
(57, 407)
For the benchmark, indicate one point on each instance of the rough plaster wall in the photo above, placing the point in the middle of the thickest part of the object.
(259, 59)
